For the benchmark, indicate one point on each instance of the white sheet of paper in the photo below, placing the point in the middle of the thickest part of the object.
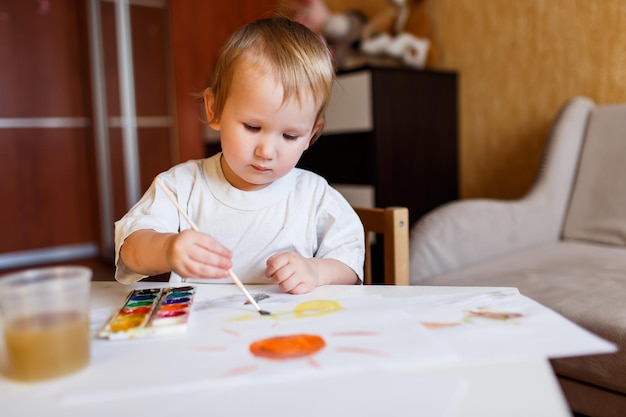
(361, 333)
(538, 331)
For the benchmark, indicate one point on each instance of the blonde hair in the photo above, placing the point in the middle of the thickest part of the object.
(297, 56)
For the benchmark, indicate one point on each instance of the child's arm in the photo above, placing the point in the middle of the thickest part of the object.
(296, 274)
(188, 253)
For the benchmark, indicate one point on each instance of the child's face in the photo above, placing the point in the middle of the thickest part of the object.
(262, 138)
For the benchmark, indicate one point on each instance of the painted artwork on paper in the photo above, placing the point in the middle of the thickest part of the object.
(306, 309)
(350, 333)
(230, 343)
(500, 323)
(287, 347)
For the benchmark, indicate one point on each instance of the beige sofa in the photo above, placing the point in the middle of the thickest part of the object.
(563, 244)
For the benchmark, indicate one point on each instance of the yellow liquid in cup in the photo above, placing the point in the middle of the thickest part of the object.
(47, 346)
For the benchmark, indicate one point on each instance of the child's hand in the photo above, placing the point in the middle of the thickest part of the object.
(292, 272)
(194, 254)
(296, 274)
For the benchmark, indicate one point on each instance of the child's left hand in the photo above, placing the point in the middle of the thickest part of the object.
(292, 272)
(296, 274)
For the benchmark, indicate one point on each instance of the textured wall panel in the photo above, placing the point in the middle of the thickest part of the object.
(518, 62)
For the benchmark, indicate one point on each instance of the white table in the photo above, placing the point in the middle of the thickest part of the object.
(482, 388)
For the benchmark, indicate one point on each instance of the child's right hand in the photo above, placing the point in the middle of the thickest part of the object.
(194, 254)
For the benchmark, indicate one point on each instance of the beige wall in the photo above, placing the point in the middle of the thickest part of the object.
(518, 62)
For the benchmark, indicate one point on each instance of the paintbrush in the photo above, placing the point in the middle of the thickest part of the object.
(194, 227)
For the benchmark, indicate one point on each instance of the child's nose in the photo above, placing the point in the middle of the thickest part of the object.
(266, 147)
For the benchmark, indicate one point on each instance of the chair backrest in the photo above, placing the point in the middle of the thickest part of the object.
(393, 224)
(596, 212)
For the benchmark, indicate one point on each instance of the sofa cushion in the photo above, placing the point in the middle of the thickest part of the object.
(586, 283)
(596, 212)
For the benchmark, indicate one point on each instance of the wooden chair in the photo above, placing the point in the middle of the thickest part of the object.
(393, 224)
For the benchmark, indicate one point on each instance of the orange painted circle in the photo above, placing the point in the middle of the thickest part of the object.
(287, 347)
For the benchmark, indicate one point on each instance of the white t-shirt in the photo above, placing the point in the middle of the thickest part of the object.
(299, 213)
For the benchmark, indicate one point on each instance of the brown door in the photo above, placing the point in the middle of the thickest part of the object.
(47, 172)
(48, 156)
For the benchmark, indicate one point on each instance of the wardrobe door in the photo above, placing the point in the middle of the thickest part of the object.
(61, 192)
(151, 72)
(47, 161)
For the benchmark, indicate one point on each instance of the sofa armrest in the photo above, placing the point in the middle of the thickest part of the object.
(465, 232)
(470, 231)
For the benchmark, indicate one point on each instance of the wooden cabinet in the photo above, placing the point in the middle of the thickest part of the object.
(392, 131)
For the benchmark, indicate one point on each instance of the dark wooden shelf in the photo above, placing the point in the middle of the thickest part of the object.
(410, 156)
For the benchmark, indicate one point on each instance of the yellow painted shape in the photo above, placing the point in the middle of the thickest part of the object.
(317, 308)
(307, 309)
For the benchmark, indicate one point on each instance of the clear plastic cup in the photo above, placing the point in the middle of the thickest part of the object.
(45, 316)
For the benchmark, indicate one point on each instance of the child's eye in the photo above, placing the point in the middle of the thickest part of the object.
(290, 137)
(251, 128)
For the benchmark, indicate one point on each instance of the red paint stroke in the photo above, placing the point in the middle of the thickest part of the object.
(229, 331)
(314, 363)
(242, 371)
(287, 347)
(438, 325)
(356, 333)
(362, 351)
(211, 348)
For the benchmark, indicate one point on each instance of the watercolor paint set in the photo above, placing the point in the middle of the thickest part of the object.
(151, 312)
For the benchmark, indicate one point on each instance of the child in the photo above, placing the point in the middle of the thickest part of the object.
(260, 216)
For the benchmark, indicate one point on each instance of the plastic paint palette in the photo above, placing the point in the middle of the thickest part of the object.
(151, 312)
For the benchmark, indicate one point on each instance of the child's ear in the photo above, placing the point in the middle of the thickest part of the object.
(316, 132)
(209, 108)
